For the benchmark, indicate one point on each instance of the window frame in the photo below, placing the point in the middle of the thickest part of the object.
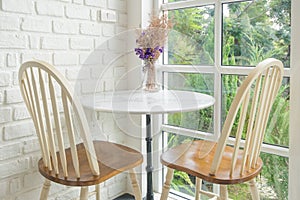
(218, 70)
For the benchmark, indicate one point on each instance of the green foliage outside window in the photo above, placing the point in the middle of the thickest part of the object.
(252, 31)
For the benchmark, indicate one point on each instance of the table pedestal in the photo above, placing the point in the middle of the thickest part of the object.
(148, 103)
(149, 167)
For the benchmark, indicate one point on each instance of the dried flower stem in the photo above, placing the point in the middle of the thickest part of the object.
(152, 39)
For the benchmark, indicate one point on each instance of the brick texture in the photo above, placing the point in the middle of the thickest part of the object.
(54, 9)
(12, 41)
(36, 25)
(18, 6)
(55, 43)
(90, 29)
(97, 3)
(12, 59)
(65, 58)
(10, 151)
(5, 115)
(4, 79)
(9, 23)
(63, 33)
(77, 12)
(14, 167)
(81, 43)
(64, 27)
(19, 130)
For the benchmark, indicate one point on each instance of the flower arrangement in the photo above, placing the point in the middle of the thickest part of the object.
(150, 44)
(152, 39)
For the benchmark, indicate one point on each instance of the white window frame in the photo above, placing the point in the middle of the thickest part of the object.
(293, 152)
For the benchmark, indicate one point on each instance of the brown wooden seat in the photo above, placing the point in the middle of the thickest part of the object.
(115, 158)
(69, 156)
(188, 161)
(223, 164)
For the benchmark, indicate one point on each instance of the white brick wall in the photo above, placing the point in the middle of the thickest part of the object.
(13, 167)
(20, 112)
(65, 27)
(15, 185)
(12, 59)
(13, 96)
(36, 25)
(20, 130)
(4, 79)
(12, 40)
(3, 189)
(97, 3)
(91, 29)
(117, 4)
(65, 58)
(1, 60)
(5, 115)
(9, 23)
(18, 6)
(55, 43)
(63, 33)
(77, 12)
(54, 9)
(81, 44)
(10, 151)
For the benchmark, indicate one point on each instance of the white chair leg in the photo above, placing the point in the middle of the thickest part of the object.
(198, 188)
(253, 190)
(45, 189)
(84, 193)
(167, 185)
(135, 185)
(223, 192)
(97, 188)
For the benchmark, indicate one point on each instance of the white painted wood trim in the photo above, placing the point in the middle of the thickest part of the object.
(49, 129)
(58, 128)
(186, 4)
(294, 156)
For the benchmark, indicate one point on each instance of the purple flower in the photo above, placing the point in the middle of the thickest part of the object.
(148, 53)
(161, 49)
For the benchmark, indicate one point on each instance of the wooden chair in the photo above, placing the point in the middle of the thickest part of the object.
(220, 163)
(58, 116)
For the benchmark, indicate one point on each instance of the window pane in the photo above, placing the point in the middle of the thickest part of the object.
(183, 182)
(192, 39)
(255, 30)
(277, 131)
(271, 184)
(274, 176)
(198, 120)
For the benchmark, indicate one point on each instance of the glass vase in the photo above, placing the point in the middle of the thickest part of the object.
(150, 72)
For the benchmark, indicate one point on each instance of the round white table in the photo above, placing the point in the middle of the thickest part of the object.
(143, 102)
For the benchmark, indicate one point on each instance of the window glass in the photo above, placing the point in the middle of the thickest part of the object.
(183, 182)
(274, 177)
(277, 131)
(255, 30)
(197, 120)
(272, 182)
(191, 42)
(251, 31)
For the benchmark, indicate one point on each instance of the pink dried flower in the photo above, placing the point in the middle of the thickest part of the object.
(152, 39)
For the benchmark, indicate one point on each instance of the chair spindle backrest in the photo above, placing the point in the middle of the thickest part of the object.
(53, 107)
(253, 102)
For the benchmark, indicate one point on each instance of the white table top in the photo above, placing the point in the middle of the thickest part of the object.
(141, 102)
